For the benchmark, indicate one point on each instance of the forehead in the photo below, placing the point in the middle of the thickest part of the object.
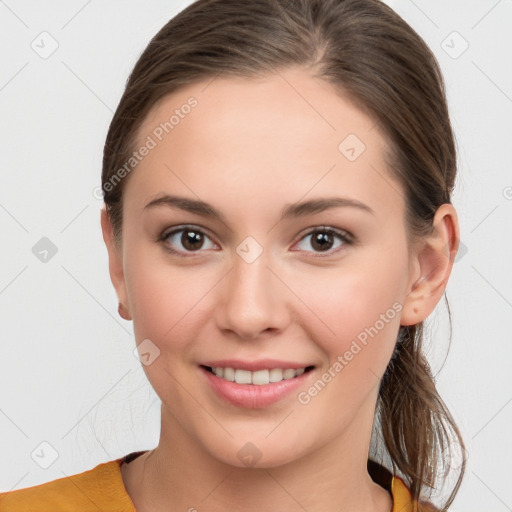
(287, 132)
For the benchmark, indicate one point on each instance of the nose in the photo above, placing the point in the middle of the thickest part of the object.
(252, 301)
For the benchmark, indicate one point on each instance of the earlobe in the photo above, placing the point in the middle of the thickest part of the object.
(115, 264)
(433, 262)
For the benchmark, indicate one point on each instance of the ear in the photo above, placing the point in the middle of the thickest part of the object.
(115, 264)
(431, 265)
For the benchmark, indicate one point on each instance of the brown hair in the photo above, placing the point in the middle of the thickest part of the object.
(373, 57)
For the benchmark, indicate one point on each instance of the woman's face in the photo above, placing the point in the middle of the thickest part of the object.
(289, 253)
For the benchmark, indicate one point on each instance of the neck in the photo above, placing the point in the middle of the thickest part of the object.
(332, 477)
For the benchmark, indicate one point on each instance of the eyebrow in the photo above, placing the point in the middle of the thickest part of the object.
(294, 210)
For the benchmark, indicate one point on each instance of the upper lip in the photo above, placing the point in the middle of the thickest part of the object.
(253, 366)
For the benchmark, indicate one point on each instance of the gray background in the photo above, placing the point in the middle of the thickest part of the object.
(72, 393)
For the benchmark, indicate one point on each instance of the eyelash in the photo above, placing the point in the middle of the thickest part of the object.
(346, 237)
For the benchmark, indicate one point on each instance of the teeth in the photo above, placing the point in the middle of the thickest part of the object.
(275, 375)
(229, 374)
(242, 377)
(289, 373)
(259, 377)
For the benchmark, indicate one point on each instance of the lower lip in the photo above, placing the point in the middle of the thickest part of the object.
(252, 395)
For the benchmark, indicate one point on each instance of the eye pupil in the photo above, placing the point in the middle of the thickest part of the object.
(189, 238)
(323, 241)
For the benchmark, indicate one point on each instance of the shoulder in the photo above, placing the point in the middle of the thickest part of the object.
(100, 488)
(402, 499)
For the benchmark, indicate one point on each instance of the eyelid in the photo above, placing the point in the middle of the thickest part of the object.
(182, 227)
(329, 229)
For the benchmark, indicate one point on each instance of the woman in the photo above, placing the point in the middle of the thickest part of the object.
(277, 182)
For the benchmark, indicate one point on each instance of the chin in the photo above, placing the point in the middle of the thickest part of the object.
(256, 454)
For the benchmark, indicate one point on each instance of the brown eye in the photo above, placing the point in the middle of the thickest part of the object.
(192, 240)
(186, 240)
(325, 240)
(322, 241)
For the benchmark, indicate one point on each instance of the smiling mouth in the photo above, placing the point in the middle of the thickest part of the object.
(259, 377)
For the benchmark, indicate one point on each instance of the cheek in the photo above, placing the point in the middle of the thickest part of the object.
(363, 324)
(165, 305)
(356, 311)
(160, 295)
(355, 293)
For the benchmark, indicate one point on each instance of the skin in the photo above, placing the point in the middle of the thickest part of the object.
(250, 148)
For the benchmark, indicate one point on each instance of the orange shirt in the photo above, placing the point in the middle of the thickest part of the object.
(101, 489)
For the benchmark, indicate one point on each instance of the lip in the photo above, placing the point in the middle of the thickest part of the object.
(253, 366)
(249, 395)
